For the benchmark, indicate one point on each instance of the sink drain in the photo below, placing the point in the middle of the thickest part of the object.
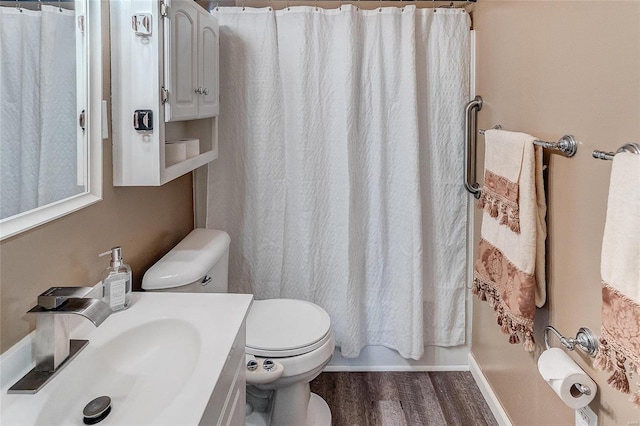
(97, 410)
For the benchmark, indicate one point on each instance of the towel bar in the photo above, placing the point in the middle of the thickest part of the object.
(496, 127)
(567, 144)
(633, 148)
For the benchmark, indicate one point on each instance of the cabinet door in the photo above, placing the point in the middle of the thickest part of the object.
(183, 59)
(208, 49)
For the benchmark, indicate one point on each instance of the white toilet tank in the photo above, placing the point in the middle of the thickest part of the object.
(198, 264)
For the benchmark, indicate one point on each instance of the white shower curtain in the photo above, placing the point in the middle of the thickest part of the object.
(336, 128)
(38, 120)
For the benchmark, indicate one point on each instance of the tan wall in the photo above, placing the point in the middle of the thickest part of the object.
(146, 222)
(550, 68)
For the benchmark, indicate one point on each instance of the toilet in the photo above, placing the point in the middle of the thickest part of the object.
(288, 342)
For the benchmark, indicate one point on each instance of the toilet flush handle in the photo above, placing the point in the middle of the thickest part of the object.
(271, 371)
(268, 365)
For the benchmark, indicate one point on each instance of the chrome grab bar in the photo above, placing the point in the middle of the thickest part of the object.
(633, 148)
(470, 126)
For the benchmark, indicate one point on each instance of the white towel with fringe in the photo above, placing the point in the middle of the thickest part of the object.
(509, 272)
(620, 273)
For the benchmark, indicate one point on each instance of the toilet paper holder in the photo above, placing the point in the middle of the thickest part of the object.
(584, 340)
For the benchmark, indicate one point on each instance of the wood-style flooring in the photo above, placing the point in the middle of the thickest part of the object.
(403, 398)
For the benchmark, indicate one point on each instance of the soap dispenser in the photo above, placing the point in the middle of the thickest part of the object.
(116, 281)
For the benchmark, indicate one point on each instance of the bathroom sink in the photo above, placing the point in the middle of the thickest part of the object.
(158, 361)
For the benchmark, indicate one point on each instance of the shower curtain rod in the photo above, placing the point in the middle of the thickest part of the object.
(364, 4)
(37, 4)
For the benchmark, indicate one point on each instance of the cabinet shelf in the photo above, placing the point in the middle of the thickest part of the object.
(178, 169)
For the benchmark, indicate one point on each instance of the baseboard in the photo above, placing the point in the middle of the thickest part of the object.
(487, 392)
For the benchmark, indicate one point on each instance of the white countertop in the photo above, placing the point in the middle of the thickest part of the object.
(158, 361)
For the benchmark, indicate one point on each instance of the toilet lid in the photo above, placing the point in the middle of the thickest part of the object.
(285, 327)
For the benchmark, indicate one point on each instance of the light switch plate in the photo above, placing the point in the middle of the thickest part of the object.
(586, 417)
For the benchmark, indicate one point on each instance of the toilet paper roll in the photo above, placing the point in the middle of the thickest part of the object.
(563, 375)
(174, 152)
(193, 146)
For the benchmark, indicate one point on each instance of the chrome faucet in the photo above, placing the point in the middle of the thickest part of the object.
(53, 349)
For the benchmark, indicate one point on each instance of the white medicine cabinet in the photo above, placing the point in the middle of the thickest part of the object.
(192, 63)
(165, 90)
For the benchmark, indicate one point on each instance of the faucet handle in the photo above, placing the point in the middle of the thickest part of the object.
(56, 296)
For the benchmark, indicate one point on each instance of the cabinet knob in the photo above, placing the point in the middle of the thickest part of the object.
(198, 90)
(205, 91)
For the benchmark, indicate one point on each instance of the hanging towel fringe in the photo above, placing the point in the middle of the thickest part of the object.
(517, 331)
(529, 343)
(493, 211)
(504, 217)
(507, 212)
(618, 379)
(613, 359)
(603, 360)
(482, 201)
(514, 221)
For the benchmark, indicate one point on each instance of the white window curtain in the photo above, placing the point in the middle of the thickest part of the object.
(339, 175)
(38, 120)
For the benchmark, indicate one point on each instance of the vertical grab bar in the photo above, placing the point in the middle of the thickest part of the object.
(470, 126)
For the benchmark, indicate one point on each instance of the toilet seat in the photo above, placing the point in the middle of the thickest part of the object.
(280, 328)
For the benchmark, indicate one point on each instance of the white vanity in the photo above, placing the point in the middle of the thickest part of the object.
(171, 358)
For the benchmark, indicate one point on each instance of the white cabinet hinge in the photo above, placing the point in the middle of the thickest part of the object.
(164, 9)
(81, 23)
(82, 121)
(164, 95)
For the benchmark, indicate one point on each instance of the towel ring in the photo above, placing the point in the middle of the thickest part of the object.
(584, 340)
